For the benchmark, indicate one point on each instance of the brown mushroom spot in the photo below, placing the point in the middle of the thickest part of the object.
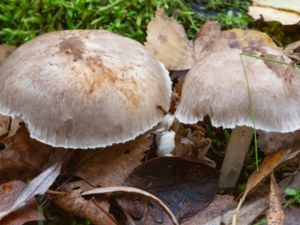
(73, 46)
(99, 73)
(132, 97)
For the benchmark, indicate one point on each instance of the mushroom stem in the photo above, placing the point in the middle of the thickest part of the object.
(236, 151)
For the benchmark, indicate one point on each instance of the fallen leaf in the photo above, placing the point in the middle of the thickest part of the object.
(167, 40)
(39, 185)
(248, 213)
(238, 38)
(275, 215)
(220, 205)
(9, 192)
(289, 5)
(266, 167)
(286, 12)
(132, 190)
(185, 186)
(23, 157)
(97, 212)
(5, 51)
(271, 141)
(209, 39)
(111, 166)
(293, 51)
(291, 215)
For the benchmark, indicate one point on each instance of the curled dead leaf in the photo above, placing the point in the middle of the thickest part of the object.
(167, 40)
(209, 39)
(131, 190)
(23, 157)
(9, 193)
(111, 166)
(286, 12)
(266, 167)
(293, 51)
(275, 215)
(94, 211)
(238, 38)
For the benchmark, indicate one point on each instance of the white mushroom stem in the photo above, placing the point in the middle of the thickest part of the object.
(236, 151)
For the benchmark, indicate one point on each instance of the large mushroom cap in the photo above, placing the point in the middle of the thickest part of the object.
(84, 88)
(216, 86)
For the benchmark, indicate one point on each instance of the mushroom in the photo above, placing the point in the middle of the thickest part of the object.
(84, 88)
(8, 127)
(269, 98)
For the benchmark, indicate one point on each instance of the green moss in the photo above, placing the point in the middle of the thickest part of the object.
(22, 20)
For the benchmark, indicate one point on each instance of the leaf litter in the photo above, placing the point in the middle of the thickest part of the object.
(186, 187)
(9, 193)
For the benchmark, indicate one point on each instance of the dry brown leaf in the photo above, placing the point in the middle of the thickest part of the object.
(37, 186)
(271, 141)
(97, 212)
(185, 186)
(286, 12)
(191, 143)
(248, 213)
(270, 14)
(209, 39)
(293, 51)
(220, 205)
(9, 192)
(167, 40)
(5, 51)
(238, 38)
(23, 157)
(266, 167)
(134, 191)
(275, 215)
(223, 214)
(110, 166)
(289, 5)
(291, 215)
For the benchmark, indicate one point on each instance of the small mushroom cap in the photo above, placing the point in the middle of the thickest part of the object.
(216, 86)
(84, 88)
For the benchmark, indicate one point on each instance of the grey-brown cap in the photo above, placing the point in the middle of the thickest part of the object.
(84, 88)
(216, 86)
